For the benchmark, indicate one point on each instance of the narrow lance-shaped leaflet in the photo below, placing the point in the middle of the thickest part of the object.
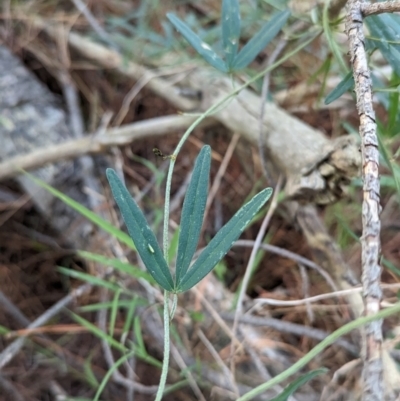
(193, 212)
(223, 241)
(140, 232)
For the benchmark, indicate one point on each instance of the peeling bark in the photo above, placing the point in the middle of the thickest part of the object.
(372, 375)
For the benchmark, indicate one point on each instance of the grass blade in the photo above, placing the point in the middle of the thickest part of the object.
(117, 264)
(93, 217)
(201, 47)
(193, 212)
(230, 23)
(258, 42)
(344, 85)
(89, 278)
(223, 240)
(292, 387)
(140, 232)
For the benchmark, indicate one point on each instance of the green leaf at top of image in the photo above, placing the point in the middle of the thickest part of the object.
(201, 47)
(222, 242)
(385, 32)
(260, 40)
(93, 217)
(140, 232)
(292, 387)
(344, 85)
(230, 24)
(193, 212)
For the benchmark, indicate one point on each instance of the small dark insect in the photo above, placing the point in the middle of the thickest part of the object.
(158, 152)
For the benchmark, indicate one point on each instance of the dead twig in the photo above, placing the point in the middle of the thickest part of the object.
(104, 36)
(316, 298)
(219, 361)
(373, 388)
(95, 143)
(379, 8)
(221, 172)
(8, 388)
(291, 255)
(288, 327)
(8, 353)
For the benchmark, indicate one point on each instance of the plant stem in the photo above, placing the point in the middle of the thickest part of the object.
(164, 371)
(206, 114)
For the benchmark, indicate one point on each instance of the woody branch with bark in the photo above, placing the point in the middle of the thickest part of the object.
(373, 370)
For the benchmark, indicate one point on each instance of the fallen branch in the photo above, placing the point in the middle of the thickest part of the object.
(379, 8)
(95, 143)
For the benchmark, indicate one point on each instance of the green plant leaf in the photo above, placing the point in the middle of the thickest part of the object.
(193, 212)
(344, 85)
(260, 40)
(93, 217)
(140, 232)
(89, 278)
(292, 387)
(384, 30)
(201, 47)
(230, 24)
(222, 242)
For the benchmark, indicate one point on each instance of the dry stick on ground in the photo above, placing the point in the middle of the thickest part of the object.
(316, 298)
(220, 174)
(290, 255)
(83, 8)
(7, 387)
(8, 353)
(93, 144)
(249, 268)
(288, 327)
(219, 361)
(370, 240)
(379, 8)
(76, 124)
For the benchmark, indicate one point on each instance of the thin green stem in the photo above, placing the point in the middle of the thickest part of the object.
(173, 307)
(203, 116)
(207, 113)
(347, 328)
(164, 371)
